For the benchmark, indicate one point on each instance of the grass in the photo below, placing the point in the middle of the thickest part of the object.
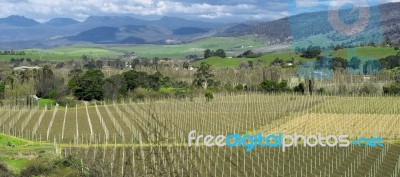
(266, 59)
(44, 102)
(66, 53)
(364, 53)
(174, 90)
(15, 163)
(8, 141)
(17, 152)
(231, 45)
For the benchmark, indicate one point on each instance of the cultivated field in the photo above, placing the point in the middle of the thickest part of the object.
(150, 138)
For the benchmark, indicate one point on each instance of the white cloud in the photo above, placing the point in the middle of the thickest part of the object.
(203, 9)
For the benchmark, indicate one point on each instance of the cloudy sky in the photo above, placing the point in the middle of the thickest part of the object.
(206, 10)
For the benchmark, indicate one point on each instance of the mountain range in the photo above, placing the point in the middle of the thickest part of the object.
(22, 32)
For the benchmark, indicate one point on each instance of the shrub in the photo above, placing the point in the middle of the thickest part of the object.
(209, 96)
(392, 89)
(300, 88)
(239, 87)
(321, 91)
(369, 88)
(37, 167)
(274, 86)
(4, 171)
(342, 89)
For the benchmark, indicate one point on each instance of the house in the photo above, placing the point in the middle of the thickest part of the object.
(23, 68)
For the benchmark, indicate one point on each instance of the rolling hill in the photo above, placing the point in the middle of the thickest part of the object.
(384, 22)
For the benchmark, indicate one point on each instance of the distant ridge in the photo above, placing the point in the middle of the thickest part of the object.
(18, 21)
(61, 22)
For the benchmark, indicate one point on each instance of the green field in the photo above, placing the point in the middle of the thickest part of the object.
(65, 53)
(232, 46)
(364, 53)
(266, 59)
(16, 152)
(229, 44)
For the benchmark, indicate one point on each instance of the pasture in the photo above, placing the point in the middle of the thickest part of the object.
(232, 45)
(363, 53)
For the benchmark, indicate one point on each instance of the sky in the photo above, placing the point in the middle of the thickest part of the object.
(205, 10)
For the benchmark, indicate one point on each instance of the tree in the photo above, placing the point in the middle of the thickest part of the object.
(339, 62)
(45, 82)
(355, 63)
(2, 90)
(251, 64)
(300, 88)
(220, 53)
(274, 86)
(10, 80)
(249, 54)
(115, 87)
(323, 63)
(135, 62)
(208, 53)
(60, 65)
(136, 79)
(372, 67)
(90, 85)
(392, 89)
(203, 77)
(156, 81)
(209, 96)
(311, 52)
(74, 77)
(99, 64)
(239, 87)
(246, 54)
(186, 65)
(90, 64)
(131, 79)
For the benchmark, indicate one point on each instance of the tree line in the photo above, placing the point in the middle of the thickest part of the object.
(12, 52)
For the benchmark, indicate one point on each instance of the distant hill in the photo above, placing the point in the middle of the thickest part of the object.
(189, 31)
(18, 21)
(61, 22)
(176, 22)
(97, 35)
(101, 29)
(132, 34)
(385, 18)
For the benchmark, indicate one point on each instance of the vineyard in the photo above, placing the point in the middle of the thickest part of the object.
(150, 138)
